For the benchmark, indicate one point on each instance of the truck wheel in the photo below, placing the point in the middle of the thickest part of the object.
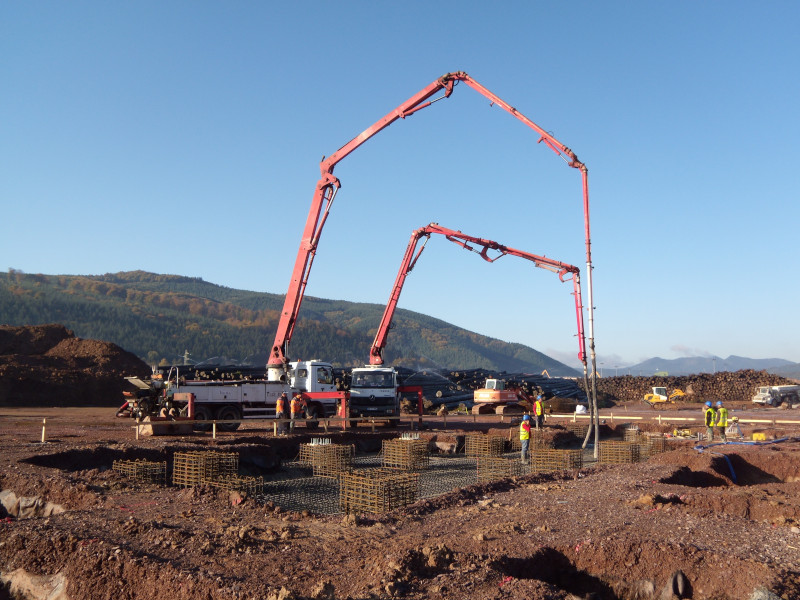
(229, 412)
(312, 413)
(202, 413)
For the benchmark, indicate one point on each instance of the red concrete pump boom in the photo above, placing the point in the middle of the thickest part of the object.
(328, 185)
(412, 255)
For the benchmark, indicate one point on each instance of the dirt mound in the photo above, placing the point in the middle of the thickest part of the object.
(37, 339)
(46, 365)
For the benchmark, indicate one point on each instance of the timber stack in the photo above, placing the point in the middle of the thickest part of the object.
(728, 386)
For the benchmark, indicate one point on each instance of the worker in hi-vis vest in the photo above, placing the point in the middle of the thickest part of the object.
(722, 421)
(710, 420)
(538, 411)
(525, 437)
(281, 412)
(298, 406)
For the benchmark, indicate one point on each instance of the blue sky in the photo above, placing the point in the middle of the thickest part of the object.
(185, 137)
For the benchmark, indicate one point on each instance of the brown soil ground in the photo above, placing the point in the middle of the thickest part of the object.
(675, 526)
(716, 523)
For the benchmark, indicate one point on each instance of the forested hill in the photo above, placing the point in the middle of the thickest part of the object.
(159, 317)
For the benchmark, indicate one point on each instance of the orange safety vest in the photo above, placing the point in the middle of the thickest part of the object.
(298, 404)
(279, 405)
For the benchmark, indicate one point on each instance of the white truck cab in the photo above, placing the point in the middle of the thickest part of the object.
(373, 392)
(312, 376)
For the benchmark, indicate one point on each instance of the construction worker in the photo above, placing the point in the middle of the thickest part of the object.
(280, 412)
(538, 411)
(722, 420)
(711, 420)
(298, 406)
(525, 436)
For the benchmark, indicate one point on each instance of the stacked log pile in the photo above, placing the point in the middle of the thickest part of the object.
(554, 387)
(738, 386)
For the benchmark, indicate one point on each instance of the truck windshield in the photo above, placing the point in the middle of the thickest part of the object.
(372, 380)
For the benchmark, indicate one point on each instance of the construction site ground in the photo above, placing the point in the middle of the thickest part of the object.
(710, 523)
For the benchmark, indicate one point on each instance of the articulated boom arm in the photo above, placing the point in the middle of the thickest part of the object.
(328, 185)
(412, 255)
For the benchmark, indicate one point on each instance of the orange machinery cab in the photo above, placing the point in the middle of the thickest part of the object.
(495, 392)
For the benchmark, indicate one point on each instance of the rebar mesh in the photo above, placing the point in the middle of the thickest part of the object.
(377, 490)
(497, 467)
(579, 430)
(616, 452)
(196, 467)
(252, 486)
(326, 460)
(650, 445)
(632, 434)
(293, 489)
(405, 454)
(142, 471)
(477, 444)
(551, 459)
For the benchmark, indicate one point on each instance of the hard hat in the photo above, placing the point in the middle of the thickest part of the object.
(719, 402)
(539, 397)
(526, 418)
(708, 402)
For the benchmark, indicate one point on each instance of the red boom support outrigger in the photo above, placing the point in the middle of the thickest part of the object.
(462, 239)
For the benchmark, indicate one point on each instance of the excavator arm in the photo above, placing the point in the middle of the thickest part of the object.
(468, 242)
(328, 185)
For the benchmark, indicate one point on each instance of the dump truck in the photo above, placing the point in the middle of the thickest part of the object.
(775, 395)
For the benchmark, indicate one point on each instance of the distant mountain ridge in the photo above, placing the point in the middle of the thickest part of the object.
(712, 364)
(159, 317)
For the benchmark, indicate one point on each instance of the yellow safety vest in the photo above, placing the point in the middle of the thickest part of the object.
(722, 417)
(537, 408)
(524, 434)
(710, 418)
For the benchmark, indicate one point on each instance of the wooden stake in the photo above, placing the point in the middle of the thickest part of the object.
(44, 427)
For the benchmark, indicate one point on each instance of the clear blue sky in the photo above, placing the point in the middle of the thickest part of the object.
(185, 137)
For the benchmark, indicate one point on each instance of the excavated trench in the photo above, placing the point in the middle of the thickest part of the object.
(553, 567)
